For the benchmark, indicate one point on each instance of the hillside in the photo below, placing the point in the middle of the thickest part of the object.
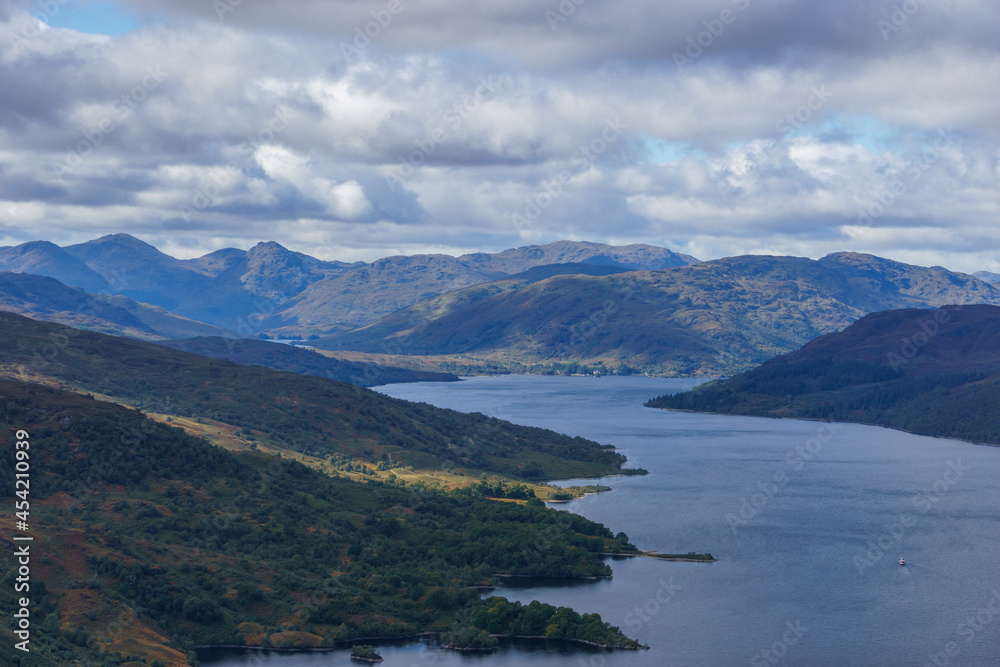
(452, 306)
(933, 372)
(45, 298)
(329, 421)
(139, 271)
(42, 298)
(710, 318)
(365, 294)
(299, 360)
(148, 542)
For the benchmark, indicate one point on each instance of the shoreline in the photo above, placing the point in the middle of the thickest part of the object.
(828, 421)
(348, 643)
(677, 558)
(544, 576)
(345, 644)
(616, 647)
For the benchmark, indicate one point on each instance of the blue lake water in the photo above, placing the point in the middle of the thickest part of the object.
(808, 521)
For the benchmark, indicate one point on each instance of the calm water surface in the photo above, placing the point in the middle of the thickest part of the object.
(808, 522)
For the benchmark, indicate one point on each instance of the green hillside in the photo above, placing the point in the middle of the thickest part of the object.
(933, 372)
(148, 542)
(321, 418)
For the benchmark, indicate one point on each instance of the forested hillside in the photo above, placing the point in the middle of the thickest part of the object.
(148, 542)
(934, 372)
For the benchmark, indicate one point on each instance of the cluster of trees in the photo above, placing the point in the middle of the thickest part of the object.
(497, 488)
(499, 616)
(469, 638)
(365, 652)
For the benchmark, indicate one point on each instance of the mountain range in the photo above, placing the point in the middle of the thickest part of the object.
(585, 304)
(710, 318)
(270, 287)
(933, 372)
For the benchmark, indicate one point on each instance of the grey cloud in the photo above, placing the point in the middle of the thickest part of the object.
(322, 178)
(563, 33)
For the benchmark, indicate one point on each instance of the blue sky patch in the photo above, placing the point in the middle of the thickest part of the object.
(104, 18)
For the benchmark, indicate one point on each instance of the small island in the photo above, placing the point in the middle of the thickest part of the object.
(365, 653)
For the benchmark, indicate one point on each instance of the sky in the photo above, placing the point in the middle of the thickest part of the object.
(357, 129)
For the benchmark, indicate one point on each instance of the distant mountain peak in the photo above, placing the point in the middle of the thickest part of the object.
(48, 259)
(33, 245)
(116, 243)
(987, 276)
(121, 238)
(268, 246)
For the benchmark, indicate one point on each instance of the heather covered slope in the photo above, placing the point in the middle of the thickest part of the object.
(715, 317)
(934, 372)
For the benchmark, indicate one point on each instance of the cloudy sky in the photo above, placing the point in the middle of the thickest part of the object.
(355, 129)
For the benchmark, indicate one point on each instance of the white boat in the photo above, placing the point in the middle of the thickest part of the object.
(902, 561)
